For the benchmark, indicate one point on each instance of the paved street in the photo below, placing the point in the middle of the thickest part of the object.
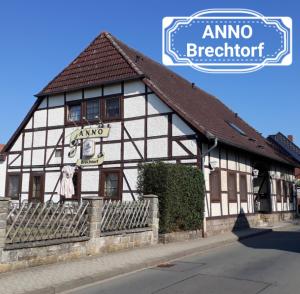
(264, 264)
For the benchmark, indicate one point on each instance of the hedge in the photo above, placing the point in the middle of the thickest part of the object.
(180, 190)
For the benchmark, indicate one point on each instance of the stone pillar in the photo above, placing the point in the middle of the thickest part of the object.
(95, 215)
(153, 218)
(4, 201)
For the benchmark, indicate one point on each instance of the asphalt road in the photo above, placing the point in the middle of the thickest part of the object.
(264, 264)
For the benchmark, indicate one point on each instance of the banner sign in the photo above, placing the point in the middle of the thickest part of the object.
(227, 41)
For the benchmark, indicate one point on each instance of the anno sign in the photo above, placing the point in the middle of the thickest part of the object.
(89, 133)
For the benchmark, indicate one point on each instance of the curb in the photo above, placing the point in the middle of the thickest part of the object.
(59, 288)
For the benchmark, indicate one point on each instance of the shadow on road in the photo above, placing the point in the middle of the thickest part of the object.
(278, 240)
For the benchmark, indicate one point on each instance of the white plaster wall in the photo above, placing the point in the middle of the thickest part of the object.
(215, 209)
(224, 180)
(134, 87)
(43, 104)
(56, 100)
(136, 128)
(223, 159)
(18, 160)
(112, 89)
(177, 150)
(115, 132)
(53, 160)
(214, 156)
(29, 124)
(25, 182)
(112, 151)
(40, 117)
(157, 148)
(39, 139)
(53, 136)
(155, 105)
(131, 175)
(93, 92)
(67, 159)
(130, 152)
(28, 140)
(157, 126)
(2, 178)
(233, 209)
(76, 95)
(231, 160)
(56, 116)
(38, 157)
(51, 180)
(90, 180)
(26, 157)
(224, 199)
(127, 197)
(179, 127)
(134, 106)
(17, 146)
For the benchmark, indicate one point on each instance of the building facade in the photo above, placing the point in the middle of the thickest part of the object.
(130, 110)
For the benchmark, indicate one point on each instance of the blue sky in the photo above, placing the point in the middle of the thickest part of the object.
(39, 38)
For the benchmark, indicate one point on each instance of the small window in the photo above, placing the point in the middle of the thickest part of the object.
(112, 108)
(36, 188)
(58, 153)
(215, 185)
(285, 190)
(243, 188)
(236, 128)
(92, 110)
(291, 192)
(232, 187)
(111, 184)
(278, 190)
(13, 186)
(74, 112)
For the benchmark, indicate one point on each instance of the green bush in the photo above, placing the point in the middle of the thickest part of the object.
(180, 190)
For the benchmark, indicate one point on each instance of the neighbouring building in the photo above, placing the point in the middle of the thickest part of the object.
(287, 146)
(113, 108)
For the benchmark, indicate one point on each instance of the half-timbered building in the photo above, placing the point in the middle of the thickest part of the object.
(149, 113)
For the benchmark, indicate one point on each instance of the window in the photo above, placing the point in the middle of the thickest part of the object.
(285, 190)
(92, 110)
(243, 188)
(74, 112)
(111, 184)
(232, 186)
(236, 128)
(58, 153)
(278, 190)
(76, 182)
(36, 191)
(291, 192)
(112, 108)
(215, 185)
(13, 187)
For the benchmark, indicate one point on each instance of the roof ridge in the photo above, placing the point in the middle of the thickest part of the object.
(124, 55)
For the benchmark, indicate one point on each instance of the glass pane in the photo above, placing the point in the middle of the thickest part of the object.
(13, 186)
(74, 112)
(111, 185)
(112, 107)
(92, 110)
(36, 187)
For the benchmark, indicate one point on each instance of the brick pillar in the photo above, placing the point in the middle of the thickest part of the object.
(153, 219)
(4, 201)
(95, 215)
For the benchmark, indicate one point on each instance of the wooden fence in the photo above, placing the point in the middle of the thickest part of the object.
(124, 215)
(32, 222)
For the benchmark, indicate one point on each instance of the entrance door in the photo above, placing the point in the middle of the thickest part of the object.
(36, 189)
(261, 187)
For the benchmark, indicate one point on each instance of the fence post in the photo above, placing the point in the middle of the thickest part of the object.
(95, 215)
(153, 219)
(4, 202)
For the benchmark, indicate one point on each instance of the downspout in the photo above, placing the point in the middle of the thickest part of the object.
(210, 137)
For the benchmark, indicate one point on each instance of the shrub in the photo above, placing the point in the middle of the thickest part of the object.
(180, 191)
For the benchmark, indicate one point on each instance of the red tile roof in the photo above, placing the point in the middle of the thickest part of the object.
(1, 147)
(107, 59)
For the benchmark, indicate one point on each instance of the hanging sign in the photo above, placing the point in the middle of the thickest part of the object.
(97, 160)
(100, 131)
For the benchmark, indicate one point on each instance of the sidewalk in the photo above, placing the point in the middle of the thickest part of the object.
(59, 277)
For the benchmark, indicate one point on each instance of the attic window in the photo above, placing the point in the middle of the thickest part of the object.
(236, 128)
